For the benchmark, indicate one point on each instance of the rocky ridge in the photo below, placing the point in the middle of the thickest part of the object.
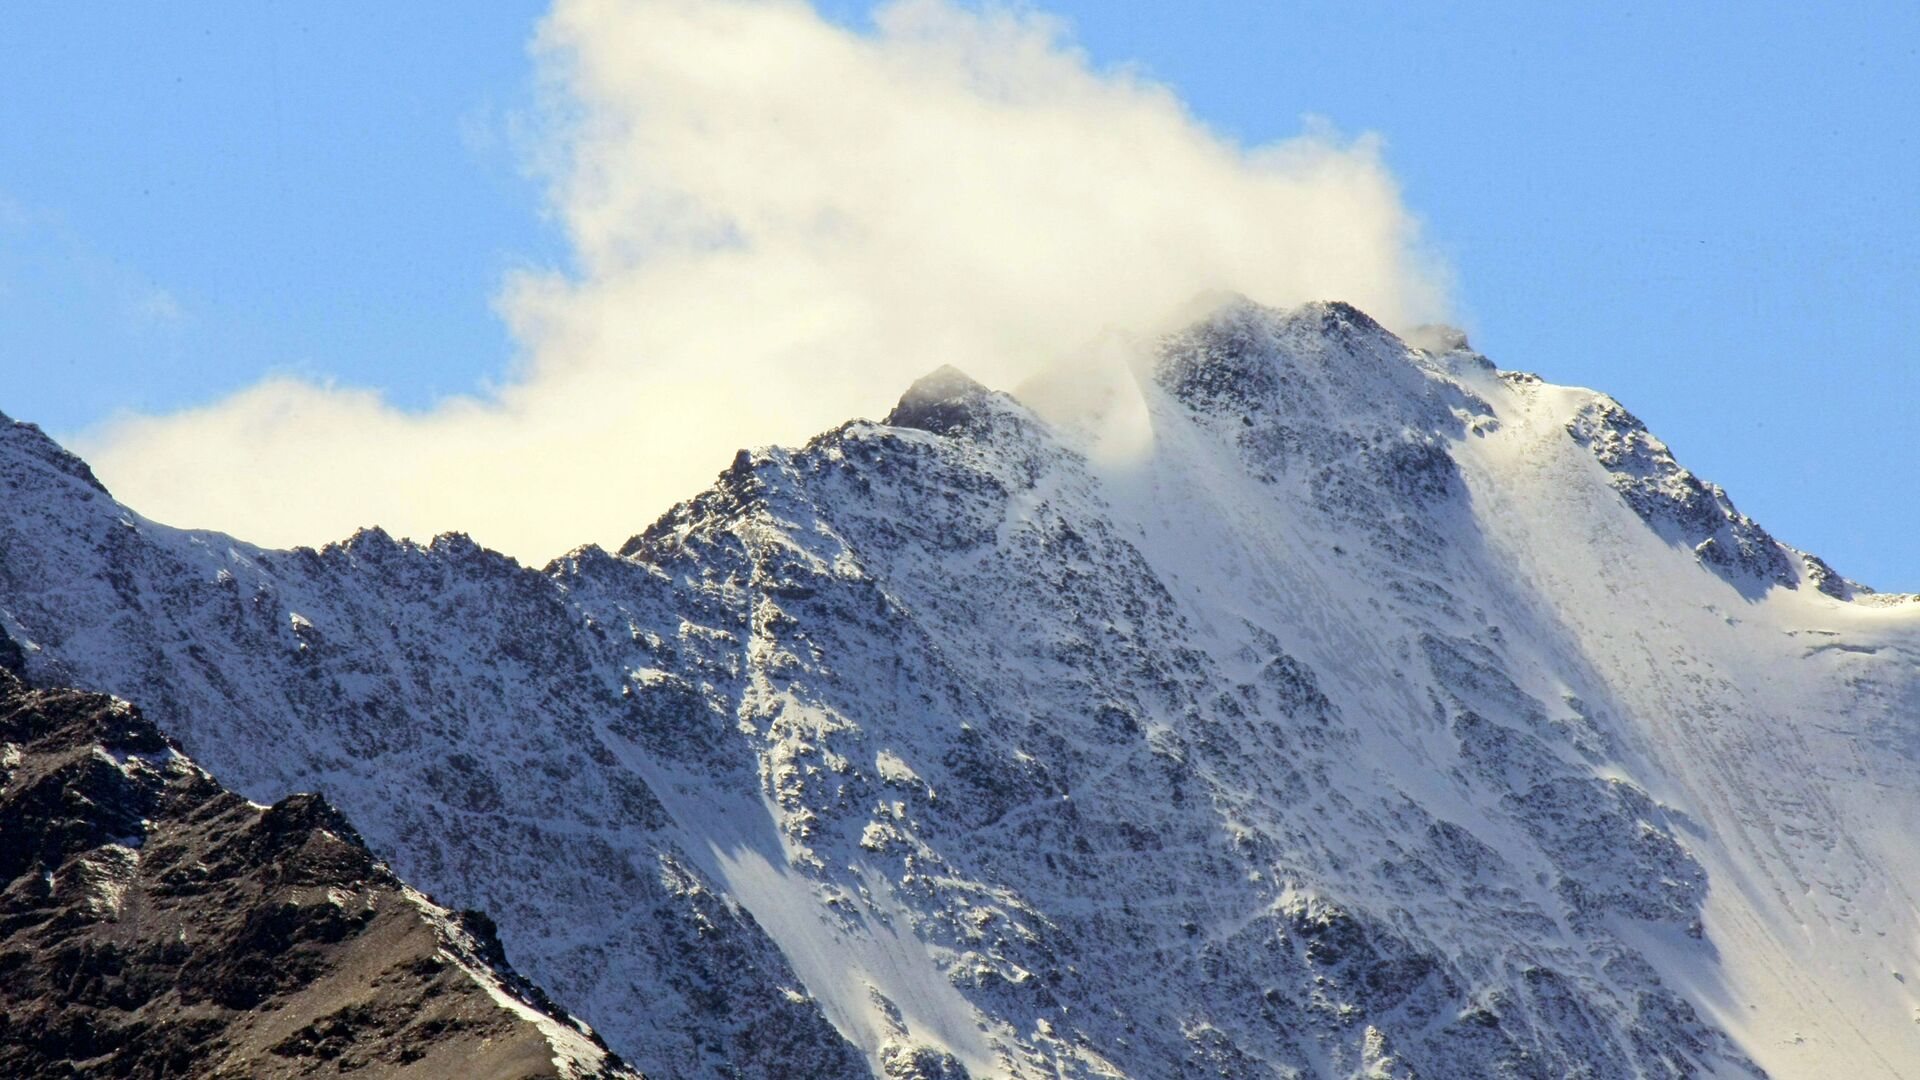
(154, 924)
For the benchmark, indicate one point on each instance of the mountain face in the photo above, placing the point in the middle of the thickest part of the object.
(155, 924)
(1377, 713)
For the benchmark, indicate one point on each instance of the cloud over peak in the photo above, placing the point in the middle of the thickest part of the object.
(778, 223)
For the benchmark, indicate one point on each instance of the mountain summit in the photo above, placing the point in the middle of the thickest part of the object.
(1390, 715)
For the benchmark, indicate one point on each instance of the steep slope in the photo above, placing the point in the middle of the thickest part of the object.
(155, 924)
(1377, 714)
(448, 700)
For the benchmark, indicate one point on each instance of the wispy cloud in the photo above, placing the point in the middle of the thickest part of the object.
(778, 223)
(44, 261)
(160, 306)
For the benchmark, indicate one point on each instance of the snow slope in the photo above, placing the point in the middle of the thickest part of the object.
(1276, 699)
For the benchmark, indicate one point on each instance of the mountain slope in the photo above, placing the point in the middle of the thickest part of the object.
(1374, 713)
(154, 924)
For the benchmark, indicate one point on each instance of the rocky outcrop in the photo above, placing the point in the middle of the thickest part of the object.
(1690, 511)
(154, 924)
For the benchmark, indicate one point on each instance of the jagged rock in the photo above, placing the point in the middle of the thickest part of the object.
(154, 924)
(1677, 503)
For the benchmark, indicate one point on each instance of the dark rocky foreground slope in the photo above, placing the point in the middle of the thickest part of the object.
(154, 924)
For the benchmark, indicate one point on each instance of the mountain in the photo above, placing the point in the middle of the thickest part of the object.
(1271, 698)
(155, 924)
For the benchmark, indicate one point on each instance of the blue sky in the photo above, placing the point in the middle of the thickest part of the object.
(1711, 211)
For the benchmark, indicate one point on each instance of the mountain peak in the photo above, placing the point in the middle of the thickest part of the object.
(27, 441)
(1339, 313)
(941, 401)
(1323, 365)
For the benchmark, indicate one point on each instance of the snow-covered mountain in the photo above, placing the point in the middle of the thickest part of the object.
(1273, 698)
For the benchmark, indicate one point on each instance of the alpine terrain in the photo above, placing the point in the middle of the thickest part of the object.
(1273, 698)
(157, 925)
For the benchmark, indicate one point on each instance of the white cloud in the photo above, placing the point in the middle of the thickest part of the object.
(779, 224)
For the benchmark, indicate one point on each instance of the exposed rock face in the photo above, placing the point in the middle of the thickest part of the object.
(1681, 506)
(154, 924)
(1369, 725)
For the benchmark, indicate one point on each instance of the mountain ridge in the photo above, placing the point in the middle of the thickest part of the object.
(156, 924)
(1280, 713)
